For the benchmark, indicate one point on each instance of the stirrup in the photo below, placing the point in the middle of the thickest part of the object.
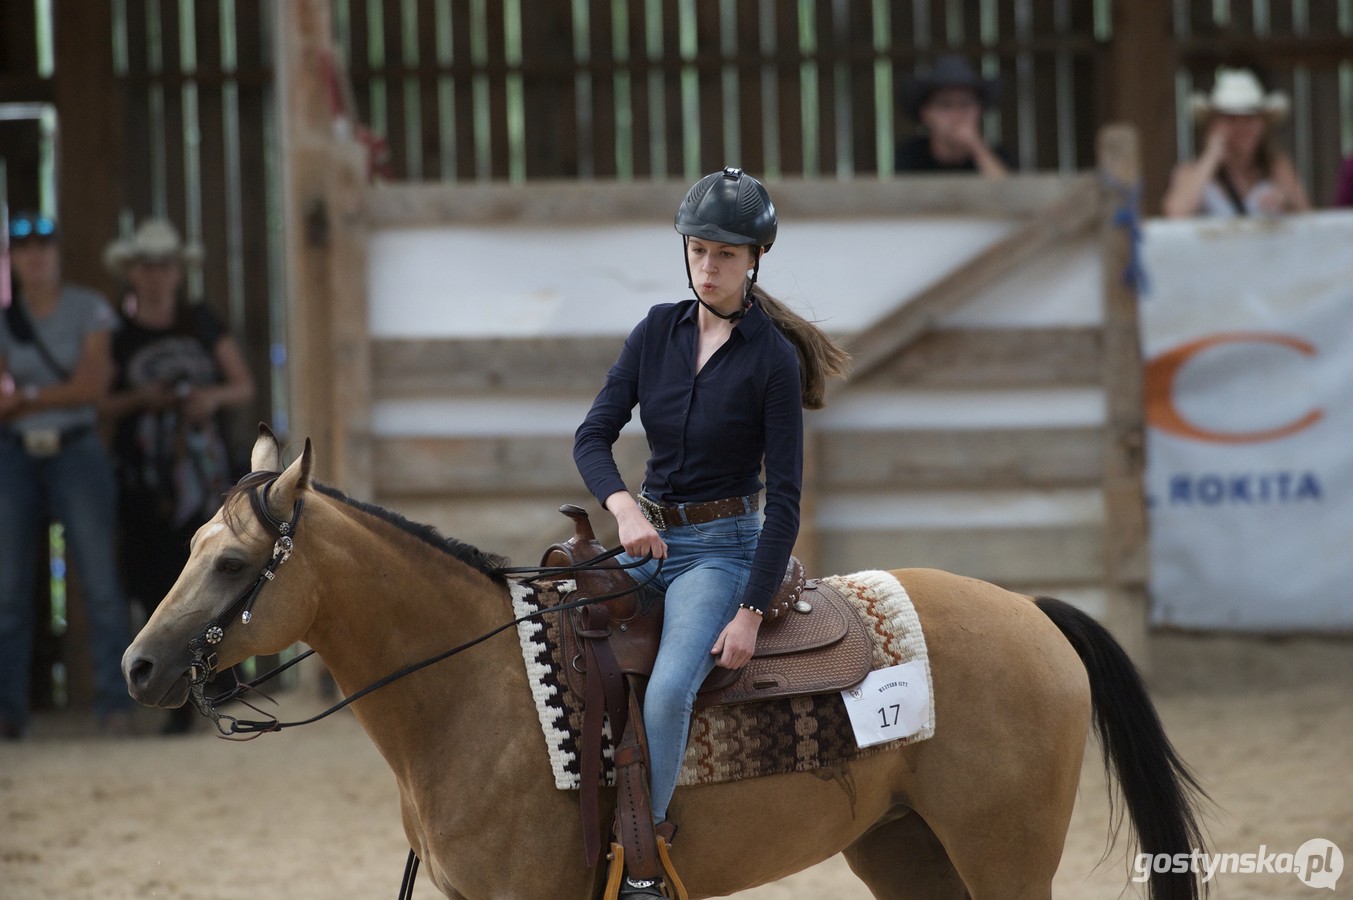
(620, 888)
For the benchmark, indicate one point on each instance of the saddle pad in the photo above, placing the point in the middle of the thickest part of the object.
(746, 740)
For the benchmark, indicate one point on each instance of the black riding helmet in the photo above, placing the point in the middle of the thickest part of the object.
(730, 207)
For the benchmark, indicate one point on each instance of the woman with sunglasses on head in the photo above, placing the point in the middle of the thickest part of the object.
(55, 353)
(721, 381)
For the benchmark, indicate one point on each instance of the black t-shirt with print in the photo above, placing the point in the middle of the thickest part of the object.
(157, 451)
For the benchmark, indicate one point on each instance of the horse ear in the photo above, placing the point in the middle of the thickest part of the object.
(267, 453)
(291, 484)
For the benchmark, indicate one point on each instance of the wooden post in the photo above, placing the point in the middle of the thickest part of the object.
(88, 99)
(323, 196)
(350, 350)
(324, 238)
(89, 113)
(1142, 62)
(1126, 561)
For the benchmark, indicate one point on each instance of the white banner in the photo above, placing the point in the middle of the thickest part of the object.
(1247, 331)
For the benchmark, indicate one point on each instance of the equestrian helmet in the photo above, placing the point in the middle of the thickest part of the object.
(730, 207)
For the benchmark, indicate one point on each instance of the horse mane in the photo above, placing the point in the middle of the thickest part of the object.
(489, 564)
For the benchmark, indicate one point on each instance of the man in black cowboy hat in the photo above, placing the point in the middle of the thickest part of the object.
(948, 102)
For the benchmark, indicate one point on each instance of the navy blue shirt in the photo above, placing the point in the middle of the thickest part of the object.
(708, 433)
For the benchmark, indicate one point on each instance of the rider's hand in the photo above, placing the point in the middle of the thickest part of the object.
(737, 641)
(637, 534)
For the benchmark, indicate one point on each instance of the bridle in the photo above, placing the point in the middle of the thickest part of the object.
(202, 666)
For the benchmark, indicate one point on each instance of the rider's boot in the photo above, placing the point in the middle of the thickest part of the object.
(631, 889)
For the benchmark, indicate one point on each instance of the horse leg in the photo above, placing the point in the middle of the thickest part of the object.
(997, 782)
(902, 859)
(1002, 814)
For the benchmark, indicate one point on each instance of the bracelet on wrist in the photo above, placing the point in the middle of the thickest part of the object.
(745, 606)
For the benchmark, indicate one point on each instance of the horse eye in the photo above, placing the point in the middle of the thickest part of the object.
(229, 564)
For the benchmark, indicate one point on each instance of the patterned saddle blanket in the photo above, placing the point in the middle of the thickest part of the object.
(744, 740)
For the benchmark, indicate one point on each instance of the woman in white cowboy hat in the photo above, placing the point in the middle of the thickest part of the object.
(1240, 172)
(177, 369)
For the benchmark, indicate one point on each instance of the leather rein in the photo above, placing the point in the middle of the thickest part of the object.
(204, 658)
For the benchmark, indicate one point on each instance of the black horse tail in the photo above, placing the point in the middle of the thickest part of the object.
(1161, 795)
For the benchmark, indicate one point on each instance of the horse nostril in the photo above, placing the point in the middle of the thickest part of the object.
(140, 672)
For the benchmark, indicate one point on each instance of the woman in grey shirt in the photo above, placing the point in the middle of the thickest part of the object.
(55, 364)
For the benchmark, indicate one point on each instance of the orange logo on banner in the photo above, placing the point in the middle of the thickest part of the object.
(1161, 373)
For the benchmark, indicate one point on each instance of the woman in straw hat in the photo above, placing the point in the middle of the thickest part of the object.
(1241, 172)
(177, 370)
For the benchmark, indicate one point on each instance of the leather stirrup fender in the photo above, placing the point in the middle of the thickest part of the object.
(605, 697)
(633, 806)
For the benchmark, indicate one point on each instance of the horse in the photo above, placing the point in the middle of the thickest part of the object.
(979, 810)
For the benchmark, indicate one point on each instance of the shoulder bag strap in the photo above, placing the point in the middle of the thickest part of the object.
(25, 331)
(1231, 193)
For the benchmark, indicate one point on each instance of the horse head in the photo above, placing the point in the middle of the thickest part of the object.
(233, 559)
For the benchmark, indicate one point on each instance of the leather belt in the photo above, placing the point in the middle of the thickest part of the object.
(664, 517)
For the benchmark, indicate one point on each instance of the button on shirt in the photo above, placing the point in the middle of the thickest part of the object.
(708, 433)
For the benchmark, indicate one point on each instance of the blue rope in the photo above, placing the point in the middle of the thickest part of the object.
(1127, 215)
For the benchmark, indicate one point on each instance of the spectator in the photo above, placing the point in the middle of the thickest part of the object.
(948, 103)
(177, 370)
(1343, 194)
(55, 352)
(1240, 172)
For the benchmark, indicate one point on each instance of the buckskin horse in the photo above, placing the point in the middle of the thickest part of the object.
(979, 810)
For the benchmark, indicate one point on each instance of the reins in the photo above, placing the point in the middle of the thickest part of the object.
(203, 663)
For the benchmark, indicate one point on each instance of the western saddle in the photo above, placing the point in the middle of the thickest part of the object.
(810, 642)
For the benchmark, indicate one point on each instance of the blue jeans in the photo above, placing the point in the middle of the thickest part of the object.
(704, 575)
(75, 486)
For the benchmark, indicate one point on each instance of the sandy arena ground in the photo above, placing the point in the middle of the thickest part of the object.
(312, 813)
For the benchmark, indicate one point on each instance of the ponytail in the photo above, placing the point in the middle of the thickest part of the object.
(820, 357)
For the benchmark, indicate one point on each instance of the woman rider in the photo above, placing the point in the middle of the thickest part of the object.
(721, 382)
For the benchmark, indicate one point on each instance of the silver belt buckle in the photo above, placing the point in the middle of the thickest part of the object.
(652, 512)
(41, 443)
